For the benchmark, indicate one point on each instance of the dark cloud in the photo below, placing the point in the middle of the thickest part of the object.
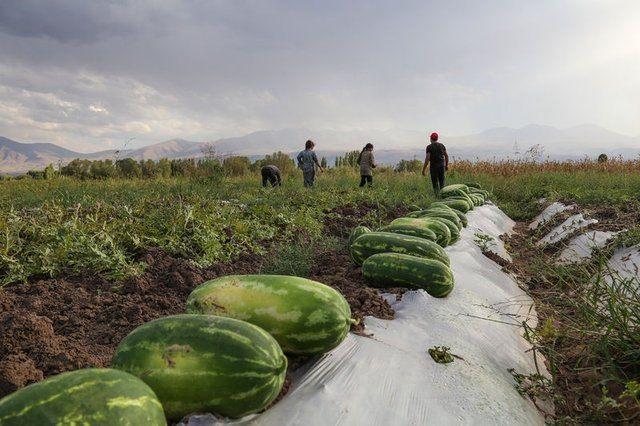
(65, 20)
(91, 72)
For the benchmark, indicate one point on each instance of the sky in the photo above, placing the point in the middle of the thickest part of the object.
(91, 75)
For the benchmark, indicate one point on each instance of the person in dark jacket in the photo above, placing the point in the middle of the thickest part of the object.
(437, 160)
(367, 163)
(271, 174)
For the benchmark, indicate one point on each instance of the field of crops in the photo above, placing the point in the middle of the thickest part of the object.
(85, 262)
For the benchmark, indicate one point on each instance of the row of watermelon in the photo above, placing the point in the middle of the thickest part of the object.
(225, 355)
(409, 252)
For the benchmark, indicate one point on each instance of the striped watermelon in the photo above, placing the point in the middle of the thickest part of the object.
(482, 192)
(442, 213)
(475, 185)
(413, 229)
(401, 270)
(93, 396)
(443, 235)
(477, 199)
(382, 242)
(454, 189)
(460, 205)
(462, 217)
(304, 316)
(357, 231)
(453, 228)
(464, 197)
(204, 363)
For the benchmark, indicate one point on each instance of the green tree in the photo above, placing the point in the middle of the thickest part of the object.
(49, 172)
(236, 166)
(323, 162)
(148, 169)
(102, 169)
(128, 168)
(410, 166)
(278, 159)
(164, 168)
(349, 159)
(77, 168)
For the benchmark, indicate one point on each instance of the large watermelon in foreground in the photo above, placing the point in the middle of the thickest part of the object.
(383, 242)
(204, 363)
(304, 316)
(93, 396)
(401, 270)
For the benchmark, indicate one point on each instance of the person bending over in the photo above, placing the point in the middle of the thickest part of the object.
(271, 174)
(438, 161)
(367, 164)
(307, 162)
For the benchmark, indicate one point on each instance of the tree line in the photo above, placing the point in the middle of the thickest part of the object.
(209, 166)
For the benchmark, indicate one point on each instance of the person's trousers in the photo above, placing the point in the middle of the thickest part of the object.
(437, 177)
(309, 177)
(364, 179)
(268, 177)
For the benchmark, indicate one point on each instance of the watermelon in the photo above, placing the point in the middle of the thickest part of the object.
(477, 199)
(466, 198)
(304, 316)
(415, 230)
(460, 205)
(462, 217)
(453, 228)
(446, 214)
(357, 231)
(401, 270)
(474, 185)
(478, 191)
(443, 235)
(382, 242)
(455, 189)
(92, 396)
(205, 363)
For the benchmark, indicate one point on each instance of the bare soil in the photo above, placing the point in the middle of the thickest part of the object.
(49, 326)
(578, 376)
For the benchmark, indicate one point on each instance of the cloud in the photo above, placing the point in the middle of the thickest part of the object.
(90, 73)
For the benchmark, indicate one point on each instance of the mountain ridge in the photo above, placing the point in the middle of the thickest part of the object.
(391, 145)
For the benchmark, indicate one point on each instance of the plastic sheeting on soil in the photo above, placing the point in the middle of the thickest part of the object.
(580, 248)
(389, 379)
(568, 227)
(624, 265)
(548, 213)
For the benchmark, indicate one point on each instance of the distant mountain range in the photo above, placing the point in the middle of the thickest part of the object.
(391, 146)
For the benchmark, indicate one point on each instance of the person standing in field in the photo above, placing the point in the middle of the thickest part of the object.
(367, 164)
(438, 159)
(307, 162)
(271, 174)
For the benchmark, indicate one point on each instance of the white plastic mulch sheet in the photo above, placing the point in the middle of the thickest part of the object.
(580, 248)
(548, 213)
(624, 265)
(390, 379)
(565, 229)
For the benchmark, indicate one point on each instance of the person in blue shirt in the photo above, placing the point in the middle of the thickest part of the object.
(307, 162)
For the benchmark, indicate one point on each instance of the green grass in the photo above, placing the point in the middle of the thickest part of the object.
(64, 226)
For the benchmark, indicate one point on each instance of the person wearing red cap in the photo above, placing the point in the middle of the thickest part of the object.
(439, 159)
